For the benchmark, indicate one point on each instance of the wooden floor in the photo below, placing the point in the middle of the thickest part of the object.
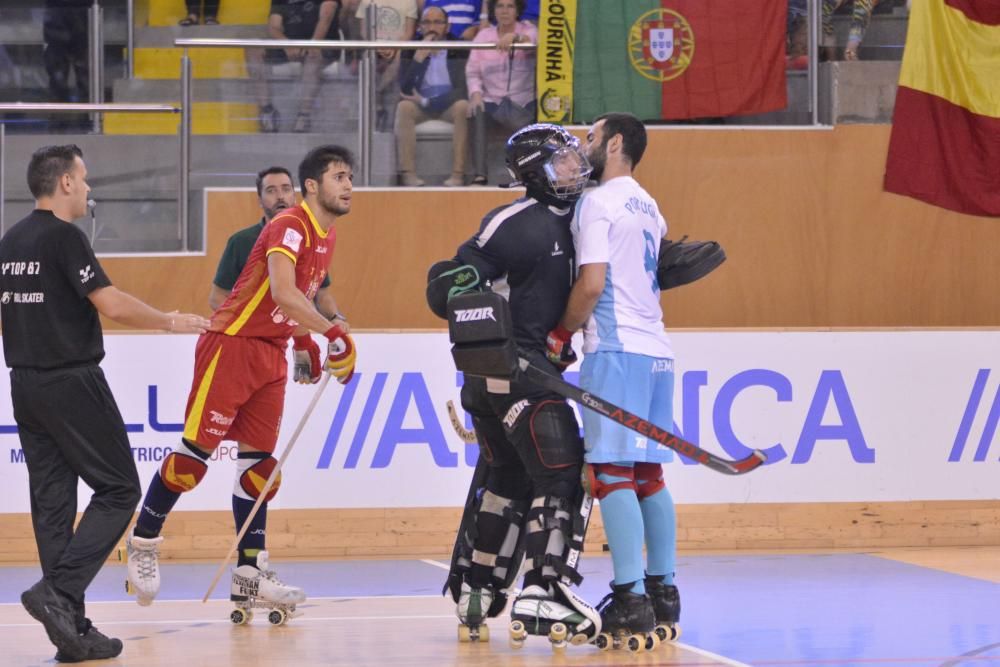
(419, 630)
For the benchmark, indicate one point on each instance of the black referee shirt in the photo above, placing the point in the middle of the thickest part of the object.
(47, 269)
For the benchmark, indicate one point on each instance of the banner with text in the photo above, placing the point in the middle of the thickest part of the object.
(843, 416)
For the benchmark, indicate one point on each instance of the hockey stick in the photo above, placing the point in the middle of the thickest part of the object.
(267, 486)
(640, 425)
(465, 434)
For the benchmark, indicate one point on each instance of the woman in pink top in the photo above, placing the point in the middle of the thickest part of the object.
(501, 82)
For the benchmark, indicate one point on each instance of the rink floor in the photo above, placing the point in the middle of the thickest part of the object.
(900, 607)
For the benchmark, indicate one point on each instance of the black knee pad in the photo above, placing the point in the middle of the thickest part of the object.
(547, 435)
(509, 482)
(556, 528)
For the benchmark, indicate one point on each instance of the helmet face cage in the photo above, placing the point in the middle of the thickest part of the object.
(568, 171)
(547, 159)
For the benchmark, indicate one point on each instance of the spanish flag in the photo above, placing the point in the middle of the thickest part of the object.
(679, 59)
(945, 143)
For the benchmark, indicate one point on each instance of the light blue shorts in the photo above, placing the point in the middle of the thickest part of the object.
(642, 385)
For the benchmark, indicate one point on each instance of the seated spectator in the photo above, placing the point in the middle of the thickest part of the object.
(295, 19)
(432, 83)
(194, 12)
(66, 57)
(501, 82)
(463, 16)
(396, 21)
(861, 16)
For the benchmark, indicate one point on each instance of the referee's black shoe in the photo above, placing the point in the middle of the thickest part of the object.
(99, 646)
(57, 614)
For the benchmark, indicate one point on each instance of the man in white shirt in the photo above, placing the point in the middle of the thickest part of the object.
(628, 360)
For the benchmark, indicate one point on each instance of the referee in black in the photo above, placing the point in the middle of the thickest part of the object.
(51, 290)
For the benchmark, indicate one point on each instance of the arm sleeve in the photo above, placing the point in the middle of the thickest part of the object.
(285, 234)
(594, 222)
(78, 263)
(490, 251)
(473, 68)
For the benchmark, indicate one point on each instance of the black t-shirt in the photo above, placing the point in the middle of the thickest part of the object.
(299, 18)
(526, 248)
(47, 269)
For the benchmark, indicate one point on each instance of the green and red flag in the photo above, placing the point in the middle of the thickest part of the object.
(679, 59)
(945, 142)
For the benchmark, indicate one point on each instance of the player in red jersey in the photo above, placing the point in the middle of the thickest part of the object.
(240, 375)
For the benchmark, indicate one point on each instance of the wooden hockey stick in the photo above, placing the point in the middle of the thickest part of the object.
(267, 486)
(465, 434)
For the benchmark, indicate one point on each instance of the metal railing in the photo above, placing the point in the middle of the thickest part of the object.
(366, 72)
(97, 109)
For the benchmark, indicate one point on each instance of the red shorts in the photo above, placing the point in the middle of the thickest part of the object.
(238, 392)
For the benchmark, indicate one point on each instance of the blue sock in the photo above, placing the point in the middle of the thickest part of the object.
(660, 522)
(159, 499)
(623, 528)
(254, 538)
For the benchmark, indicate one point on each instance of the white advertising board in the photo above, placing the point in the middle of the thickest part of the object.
(843, 416)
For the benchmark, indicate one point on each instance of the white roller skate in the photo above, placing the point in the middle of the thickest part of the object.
(143, 557)
(556, 613)
(472, 610)
(260, 587)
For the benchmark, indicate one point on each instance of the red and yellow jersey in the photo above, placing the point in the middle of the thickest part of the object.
(250, 310)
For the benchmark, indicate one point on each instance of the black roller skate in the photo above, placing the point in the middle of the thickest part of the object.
(666, 605)
(554, 612)
(627, 620)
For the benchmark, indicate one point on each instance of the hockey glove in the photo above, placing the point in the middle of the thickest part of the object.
(559, 348)
(341, 355)
(681, 263)
(308, 366)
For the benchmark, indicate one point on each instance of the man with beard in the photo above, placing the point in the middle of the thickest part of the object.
(240, 376)
(276, 193)
(617, 230)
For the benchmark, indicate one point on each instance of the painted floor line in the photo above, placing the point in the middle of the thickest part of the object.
(712, 656)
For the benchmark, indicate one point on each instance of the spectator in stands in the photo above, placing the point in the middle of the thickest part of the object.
(861, 16)
(194, 8)
(797, 30)
(464, 16)
(432, 83)
(295, 19)
(64, 29)
(501, 82)
(396, 20)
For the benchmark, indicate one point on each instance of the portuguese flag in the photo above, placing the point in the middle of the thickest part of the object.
(945, 143)
(677, 59)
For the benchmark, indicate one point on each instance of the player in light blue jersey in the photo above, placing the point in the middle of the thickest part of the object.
(617, 231)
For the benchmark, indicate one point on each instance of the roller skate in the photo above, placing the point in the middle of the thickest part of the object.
(628, 620)
(555, 612)
(667, 606)
(258, 587)
(474, 605)
(142, 554)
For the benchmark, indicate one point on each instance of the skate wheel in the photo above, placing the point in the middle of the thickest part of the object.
(652, 641)
(604, 641)
(667, 633)
(558, 632)
(276, 617)
(482, 633)
(239, 617)
(518, 633)
(676, 630)
(635, 643)
(129, 588)
(464, 633)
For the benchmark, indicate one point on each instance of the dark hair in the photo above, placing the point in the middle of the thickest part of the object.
(632, 130)
(268, 172)
(491, 6)
(47, 165)
(318, 159)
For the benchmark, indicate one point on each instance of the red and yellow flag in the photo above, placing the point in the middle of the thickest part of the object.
(945, 143)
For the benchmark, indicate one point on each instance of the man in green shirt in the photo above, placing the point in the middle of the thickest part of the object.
(276, 192)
